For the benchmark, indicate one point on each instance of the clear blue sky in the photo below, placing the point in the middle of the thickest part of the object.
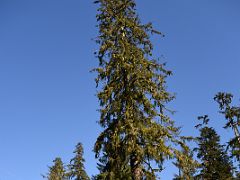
(47, 95)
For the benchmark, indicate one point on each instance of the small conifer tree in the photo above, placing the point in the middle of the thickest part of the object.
(57, 171)
(76, 166)
(216, 163)
(187, 167)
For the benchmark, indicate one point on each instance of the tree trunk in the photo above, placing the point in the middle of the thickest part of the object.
(235, 128)
(136, 169)
(137, 173)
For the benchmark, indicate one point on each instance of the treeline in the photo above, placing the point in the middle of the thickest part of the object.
(213, 159)
(138, 135)
(74, 170)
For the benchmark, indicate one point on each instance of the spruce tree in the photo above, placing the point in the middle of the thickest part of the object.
(137, 133)
(215, 161)
(76, 166)
(57, 171)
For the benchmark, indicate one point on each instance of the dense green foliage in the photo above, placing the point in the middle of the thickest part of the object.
(76, 166)
(57, 171)
(215, 162)
(138, 135)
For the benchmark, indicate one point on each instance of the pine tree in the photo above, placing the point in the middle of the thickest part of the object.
(215, 161)
(76, 166)
(57, 171)
(138, 135)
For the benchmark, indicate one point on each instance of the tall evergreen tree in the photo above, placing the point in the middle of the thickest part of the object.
(76, 166)
(232, 115)
(138, 135)
(215, 161)
(57, 171)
